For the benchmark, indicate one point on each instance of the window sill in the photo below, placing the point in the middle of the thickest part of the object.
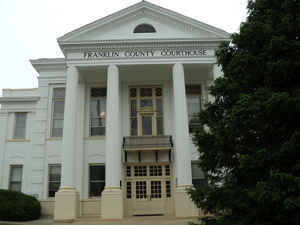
(18, 140)
(54, 139)
(95, 138)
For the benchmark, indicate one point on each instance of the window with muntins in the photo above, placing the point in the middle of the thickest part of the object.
(198, 177)
(193, 96)
(97, 111)
(54, 179)
(146, 111)
(20, 125)
(96, 180)
(58, 107)
(15, 180)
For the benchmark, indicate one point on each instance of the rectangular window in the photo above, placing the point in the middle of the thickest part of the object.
(15, 180)
(96, 180)
(193, 95)
(20, 125)
(58, 107)
(198, 177)
(54, 179)
(97, 111)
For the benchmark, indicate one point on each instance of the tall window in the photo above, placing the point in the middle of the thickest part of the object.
(193, 95)
(20, 125)
(146, 111)
(198, 177)
(58, 106)
(96, 180)
(97, 111)
(15, 180)
(54, 179)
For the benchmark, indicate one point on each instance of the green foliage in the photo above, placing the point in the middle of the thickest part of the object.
(16, 206)
(250, 140)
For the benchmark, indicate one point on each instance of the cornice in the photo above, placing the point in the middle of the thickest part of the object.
(48, 64)
(19, 99)
(142, 44)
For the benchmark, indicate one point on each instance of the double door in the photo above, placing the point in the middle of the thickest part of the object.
(148, 189)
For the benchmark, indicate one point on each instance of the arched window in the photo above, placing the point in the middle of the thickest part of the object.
(144, 28)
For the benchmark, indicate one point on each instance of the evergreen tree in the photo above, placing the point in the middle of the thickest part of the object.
(249, 142)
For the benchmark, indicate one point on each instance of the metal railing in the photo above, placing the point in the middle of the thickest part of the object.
(147, 142)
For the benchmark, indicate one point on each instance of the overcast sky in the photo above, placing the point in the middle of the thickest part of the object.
(29, 28)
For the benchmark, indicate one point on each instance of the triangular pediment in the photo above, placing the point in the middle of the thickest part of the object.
(120, 26)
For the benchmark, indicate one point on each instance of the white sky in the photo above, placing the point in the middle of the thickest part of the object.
(29, 28)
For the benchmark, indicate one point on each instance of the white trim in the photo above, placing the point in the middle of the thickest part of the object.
(19, 99)
(135, 8)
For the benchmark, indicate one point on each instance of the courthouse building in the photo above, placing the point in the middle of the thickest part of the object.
(108, 130)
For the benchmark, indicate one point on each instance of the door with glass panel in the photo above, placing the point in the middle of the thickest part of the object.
(148, 189)
(146, 111)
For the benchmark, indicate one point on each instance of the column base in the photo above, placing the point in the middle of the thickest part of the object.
(67, 205)
(112, 203)
(184, 206)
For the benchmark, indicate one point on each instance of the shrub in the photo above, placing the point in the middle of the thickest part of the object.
(16, 206)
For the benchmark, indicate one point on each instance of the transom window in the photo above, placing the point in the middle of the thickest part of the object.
(144, 28)
(97, 111)
(58, 107)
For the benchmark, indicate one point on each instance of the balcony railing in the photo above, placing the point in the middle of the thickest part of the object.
(138, 143)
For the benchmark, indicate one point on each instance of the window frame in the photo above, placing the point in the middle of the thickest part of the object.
(52, 110)
(15, 126)
(98, 181)
(90, 113)
(200, 95)
(138, 29)
(196, 163)
(48, 183)
(146, 110)
(10, 176)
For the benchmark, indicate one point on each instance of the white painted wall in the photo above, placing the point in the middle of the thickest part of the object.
(40, 150)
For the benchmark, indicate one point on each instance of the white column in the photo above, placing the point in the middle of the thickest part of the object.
(112, 196)
(69, 131)
(113, 144)
(67, 203)
(184, 207)
(216, 73)
(182, 146)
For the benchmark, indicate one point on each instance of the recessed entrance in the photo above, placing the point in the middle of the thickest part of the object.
(148, 189)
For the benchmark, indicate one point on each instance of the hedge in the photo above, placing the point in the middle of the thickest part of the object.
(16, 206)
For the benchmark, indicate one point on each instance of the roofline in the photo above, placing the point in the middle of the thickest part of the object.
(135, 7)
(19, 99)
(48, 63)
(134, 41)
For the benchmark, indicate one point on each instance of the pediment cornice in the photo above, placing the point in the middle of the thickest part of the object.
(146, 9)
